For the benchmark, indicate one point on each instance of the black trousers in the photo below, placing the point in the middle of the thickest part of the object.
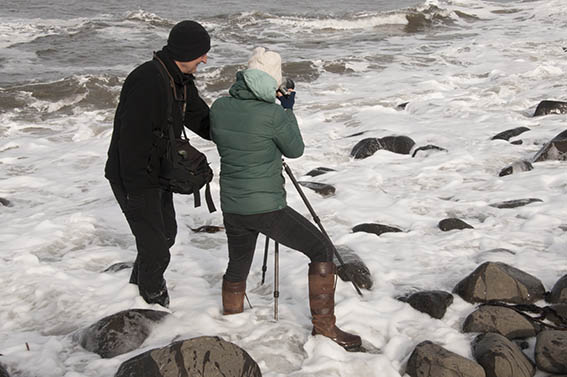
(285, 226)
(151, 217)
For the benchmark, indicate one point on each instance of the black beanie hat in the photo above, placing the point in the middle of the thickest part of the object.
(187, 41)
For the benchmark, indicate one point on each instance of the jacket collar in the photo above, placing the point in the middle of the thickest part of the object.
(179, 77)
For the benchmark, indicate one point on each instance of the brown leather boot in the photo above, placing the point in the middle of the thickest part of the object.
(322, 303)
(233, 296)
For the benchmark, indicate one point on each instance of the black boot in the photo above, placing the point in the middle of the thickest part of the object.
(160, 296)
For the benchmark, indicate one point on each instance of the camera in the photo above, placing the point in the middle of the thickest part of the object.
(287, 84)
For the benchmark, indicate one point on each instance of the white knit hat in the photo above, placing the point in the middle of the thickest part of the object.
(267, 61)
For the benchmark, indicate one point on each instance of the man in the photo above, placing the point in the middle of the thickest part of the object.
(138, 145)
(252, 133)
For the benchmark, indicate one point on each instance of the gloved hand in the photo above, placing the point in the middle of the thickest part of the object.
(288, 101)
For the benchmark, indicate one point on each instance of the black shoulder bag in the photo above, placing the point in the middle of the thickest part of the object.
(184, 169)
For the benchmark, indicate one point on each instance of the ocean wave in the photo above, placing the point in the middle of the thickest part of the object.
(60, 98)
(153, 19)
(23, 31)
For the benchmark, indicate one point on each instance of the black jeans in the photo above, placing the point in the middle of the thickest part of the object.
(151, 217)
(285, 226)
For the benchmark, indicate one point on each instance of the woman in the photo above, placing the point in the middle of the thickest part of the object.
(252, 133)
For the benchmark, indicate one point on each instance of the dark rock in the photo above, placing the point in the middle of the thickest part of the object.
(453, 223)
(119, 333)
(522, 344)
(516, 167)
(550, 107)
(396, 144)
(557, 314)
(551, 351)
(356, 134)
(434, 303)
(500, 357)
(556, 149)
(402, 106)
(517, 142)
(319, 171)
(376, 229)
(501, 320)
(506, 135)
(204, 356)
(431, 360)
(5, 202)
(365, 148)
(353, 268)
(119, 266)
(208, 229)
(320, 188)
(428, 148)
(3, 371)
(500, 282)
(558, 293)
(515, 203)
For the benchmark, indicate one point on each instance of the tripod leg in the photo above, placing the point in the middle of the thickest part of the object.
(265, 264)
(276, 279)
(316, 219)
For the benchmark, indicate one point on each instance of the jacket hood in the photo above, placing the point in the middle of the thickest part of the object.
(254, 84)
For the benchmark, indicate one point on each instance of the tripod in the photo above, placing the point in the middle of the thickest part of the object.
(276, 254)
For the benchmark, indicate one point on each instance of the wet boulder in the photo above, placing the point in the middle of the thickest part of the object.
(453, 223)
(3, 371)
(396, 144)
(501, 357)
(551, 351)
(556, 149)
(550, 107)
(322, 189)
(556, 314)
(205, 356)
(506, 135)
(365, 148)
(432, 360)
(516, 167)
(434, 303)
(498, 319)
(318, 171)
(515, 203)
(353, 268)
(501, 282)
(374, 228)
(119, 266)
(558, 293)
(119, 333)
(207, 229)
(429, 147)
(5, 202)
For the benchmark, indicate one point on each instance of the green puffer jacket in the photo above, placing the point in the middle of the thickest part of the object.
(252, 132)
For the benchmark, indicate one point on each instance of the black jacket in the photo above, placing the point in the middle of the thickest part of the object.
(135, 149)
